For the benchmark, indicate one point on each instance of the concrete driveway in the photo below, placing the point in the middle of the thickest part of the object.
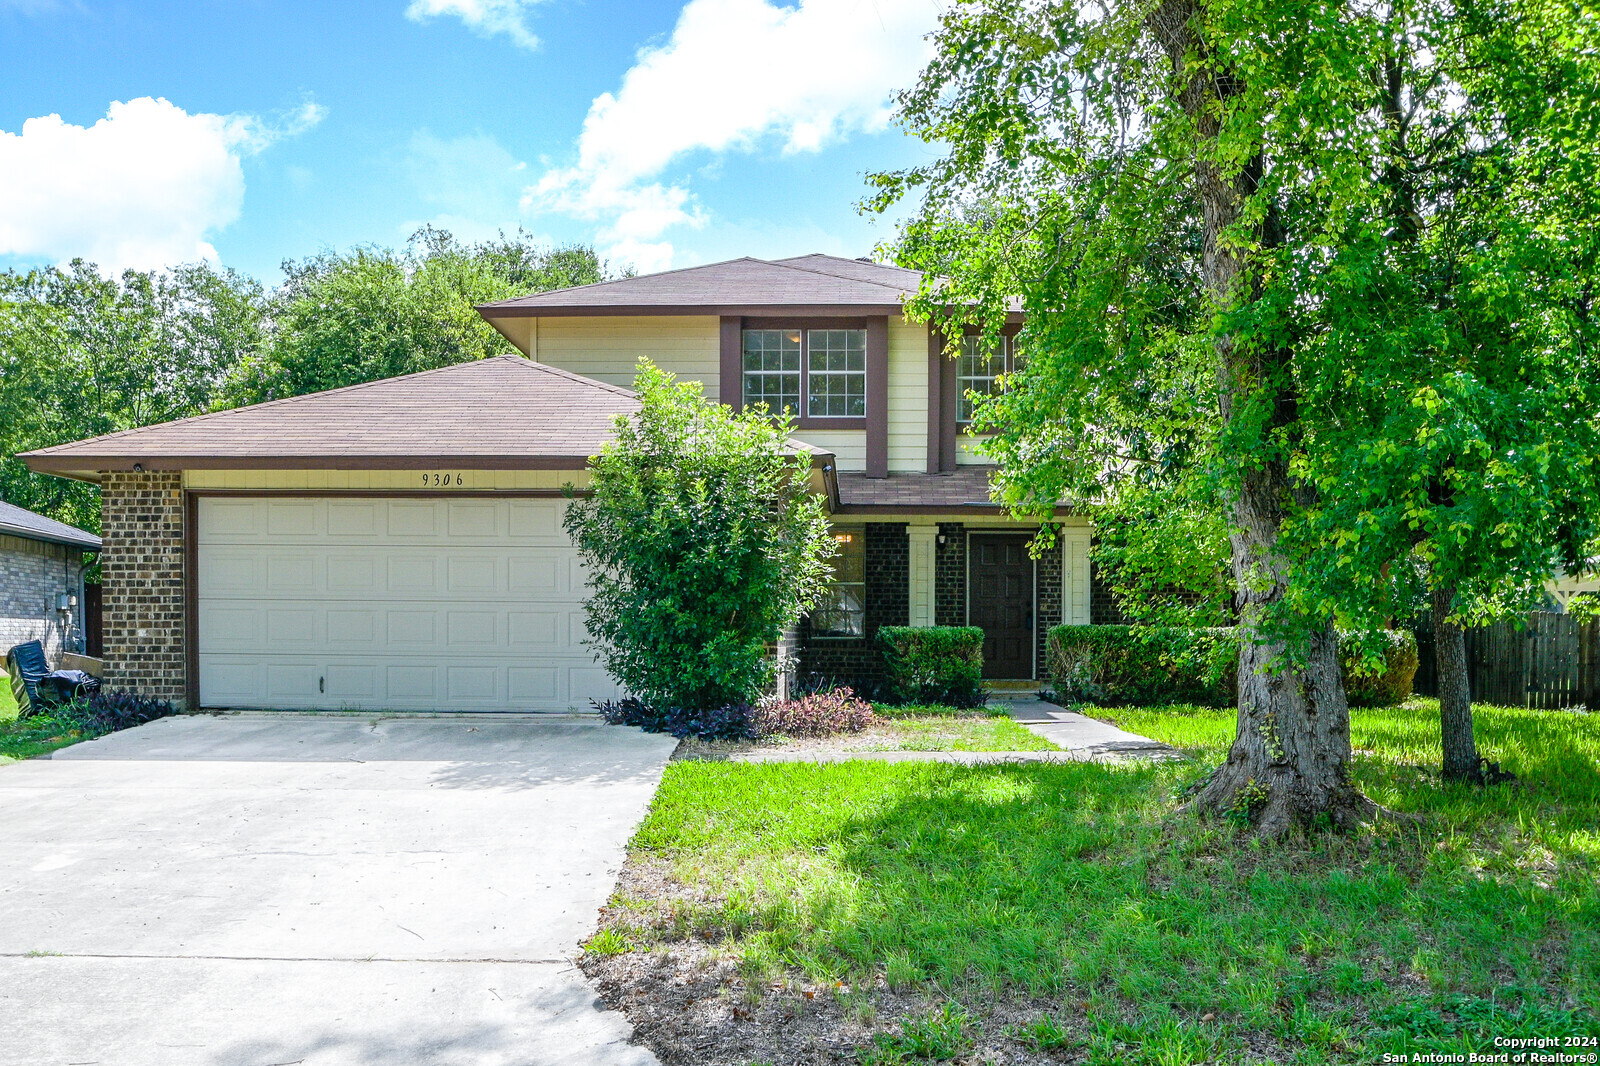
(272, 889)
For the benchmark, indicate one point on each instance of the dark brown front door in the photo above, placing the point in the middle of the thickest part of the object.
(1001, 604)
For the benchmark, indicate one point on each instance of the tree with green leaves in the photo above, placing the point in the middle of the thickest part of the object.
(1234, 248)
(83, 354)
(343, 318)
(703, 542)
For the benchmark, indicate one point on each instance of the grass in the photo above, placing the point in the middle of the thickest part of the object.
(957, 732)
(1159, 939)
(37, 735)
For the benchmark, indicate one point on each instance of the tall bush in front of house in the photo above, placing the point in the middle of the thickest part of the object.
(933, 664)
(703, 543)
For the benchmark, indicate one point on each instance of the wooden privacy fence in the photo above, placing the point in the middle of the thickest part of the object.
(1551, 662)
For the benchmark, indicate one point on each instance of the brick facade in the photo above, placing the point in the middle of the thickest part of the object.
(950, 575)
(888, 565)
(143, 611)
(857, 663)
(1048, 608)
(32, 575)
(1103, 609)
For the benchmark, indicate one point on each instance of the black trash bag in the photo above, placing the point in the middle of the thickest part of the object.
(68, 685)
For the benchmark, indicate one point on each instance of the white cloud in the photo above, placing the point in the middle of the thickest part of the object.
(484, 17)
(143, 187)
(735, 75)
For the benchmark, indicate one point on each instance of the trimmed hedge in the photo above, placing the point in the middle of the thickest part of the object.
(1143, 664)
(933, 664)
(1170, 664)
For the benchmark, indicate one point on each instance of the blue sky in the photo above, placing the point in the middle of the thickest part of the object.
(667, 133)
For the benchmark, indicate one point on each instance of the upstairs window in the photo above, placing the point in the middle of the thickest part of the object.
(837, 373)
(772, 370)
(810, 373)
(978, 372)
(844, 612)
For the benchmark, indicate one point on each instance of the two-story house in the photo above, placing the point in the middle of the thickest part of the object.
(398, 545)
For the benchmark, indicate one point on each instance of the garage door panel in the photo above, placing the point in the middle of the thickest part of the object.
(533, 630)
(352, 627)
(292, 518)
(294, 681)
(472, 683)
(411, 682)
(348, 683)
(230, 518)
(531, 519)
(409, 519)
(354, 604)
(353, 518)
(472, 629)
(473, 519)
(292, 573)
(290, 626)
(352, 574)
(232, 571)
(477, 574)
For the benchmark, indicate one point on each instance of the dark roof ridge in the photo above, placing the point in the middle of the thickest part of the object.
(897, 290)
(620, 281)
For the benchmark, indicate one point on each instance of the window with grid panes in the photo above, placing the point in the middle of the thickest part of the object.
(978, 371)
(836, 373)
(772, 370)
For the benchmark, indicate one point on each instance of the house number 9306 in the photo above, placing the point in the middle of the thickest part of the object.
(441, 479)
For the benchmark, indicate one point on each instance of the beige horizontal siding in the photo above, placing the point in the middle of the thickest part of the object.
(849, 446)
(908, 395)
(383, 480)
(608, 348)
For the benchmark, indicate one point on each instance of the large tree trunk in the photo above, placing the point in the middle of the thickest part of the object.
(1461, 760)
(1289, 765)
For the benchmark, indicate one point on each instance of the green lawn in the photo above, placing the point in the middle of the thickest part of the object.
(1153, 938)
(37, 735)
(954, 732)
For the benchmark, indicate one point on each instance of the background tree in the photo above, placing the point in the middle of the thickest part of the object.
(82, 354)
(1179, 193)
(704, 543)
(369, 313)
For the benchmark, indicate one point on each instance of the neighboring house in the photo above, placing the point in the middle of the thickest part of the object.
(399, 545)
(41, 579)
(1564, 587)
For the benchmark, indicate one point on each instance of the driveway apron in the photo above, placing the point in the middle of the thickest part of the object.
(269, 889)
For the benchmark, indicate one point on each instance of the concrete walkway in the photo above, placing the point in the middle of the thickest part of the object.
(328, 891)
(1085, 737)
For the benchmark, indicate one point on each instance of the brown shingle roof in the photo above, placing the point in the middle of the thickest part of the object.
(21, 522)
(815, 284)
(501, 412)
(505, 412)
(967, 488)
(748, 284)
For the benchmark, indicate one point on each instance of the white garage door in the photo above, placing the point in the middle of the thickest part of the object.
(392, 604)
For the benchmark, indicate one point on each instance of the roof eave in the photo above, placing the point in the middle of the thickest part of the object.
(88, 545)
(492, 311)
(81, 465)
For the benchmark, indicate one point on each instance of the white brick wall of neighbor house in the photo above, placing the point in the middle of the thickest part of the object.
(33, 575)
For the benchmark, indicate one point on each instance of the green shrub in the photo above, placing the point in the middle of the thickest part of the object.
(1170, 664)
(1143, 664)
(933, 664)
(1388, 687)
(703, 542)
